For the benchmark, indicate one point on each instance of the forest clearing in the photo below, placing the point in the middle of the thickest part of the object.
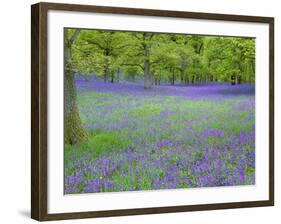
(157, 111)
(168, 137)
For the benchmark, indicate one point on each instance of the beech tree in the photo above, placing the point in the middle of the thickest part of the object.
(74, 131)
(139, 55)
(186, 59)
(103, 48)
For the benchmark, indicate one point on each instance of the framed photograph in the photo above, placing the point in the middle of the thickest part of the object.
(141, 111)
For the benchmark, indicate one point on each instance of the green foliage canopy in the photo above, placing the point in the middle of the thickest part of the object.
(166, 57)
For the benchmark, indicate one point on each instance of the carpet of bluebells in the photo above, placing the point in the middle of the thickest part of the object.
(164, 138)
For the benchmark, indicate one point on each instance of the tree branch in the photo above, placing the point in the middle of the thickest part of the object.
(135, 35)
(151, 35)
(158, 61)
(92, 42)
(74, 36)
(131, 64)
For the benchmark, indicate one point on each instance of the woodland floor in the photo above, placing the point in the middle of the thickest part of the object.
(165, 138)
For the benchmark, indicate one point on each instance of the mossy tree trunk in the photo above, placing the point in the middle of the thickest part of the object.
(74, 131)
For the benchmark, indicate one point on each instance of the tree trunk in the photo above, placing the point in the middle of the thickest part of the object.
(74, 131)
(182, 76)
(186, 81)
(239, 79)
(112, 77)
(197, 78)
(118, 75)
(253, 65)
(193, 79)
(233, 79)
(147, 76)
(105, 75)
(173, 77)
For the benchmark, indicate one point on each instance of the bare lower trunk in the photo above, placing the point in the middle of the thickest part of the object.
(186, 81)
(147, 75)
(173, 77)
(105, 75)
(193, 79)
(74, 131)
(112, 78)
(118, 75)
(233, 80)
(182, 76)
(239, 79)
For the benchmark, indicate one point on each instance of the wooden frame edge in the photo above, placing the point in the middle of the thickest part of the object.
(271, 110)
(39, 110)
(155, 210)
(154, 12)
(34, 113)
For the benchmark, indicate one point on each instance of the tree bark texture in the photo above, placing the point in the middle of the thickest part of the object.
(74, 131)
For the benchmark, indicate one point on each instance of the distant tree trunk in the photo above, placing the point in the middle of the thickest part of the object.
(118, 75)
(112, 77)
(173, 77)
(155, 81)
(182, 76)
(148, 79)
(192, 79)
(186, 81)
(198, 78)
(106, 71)
(104, 76)
(239, 79)
(233, 80)
(147, 74)
(159, 78)
(74, 131)
(253, 66)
